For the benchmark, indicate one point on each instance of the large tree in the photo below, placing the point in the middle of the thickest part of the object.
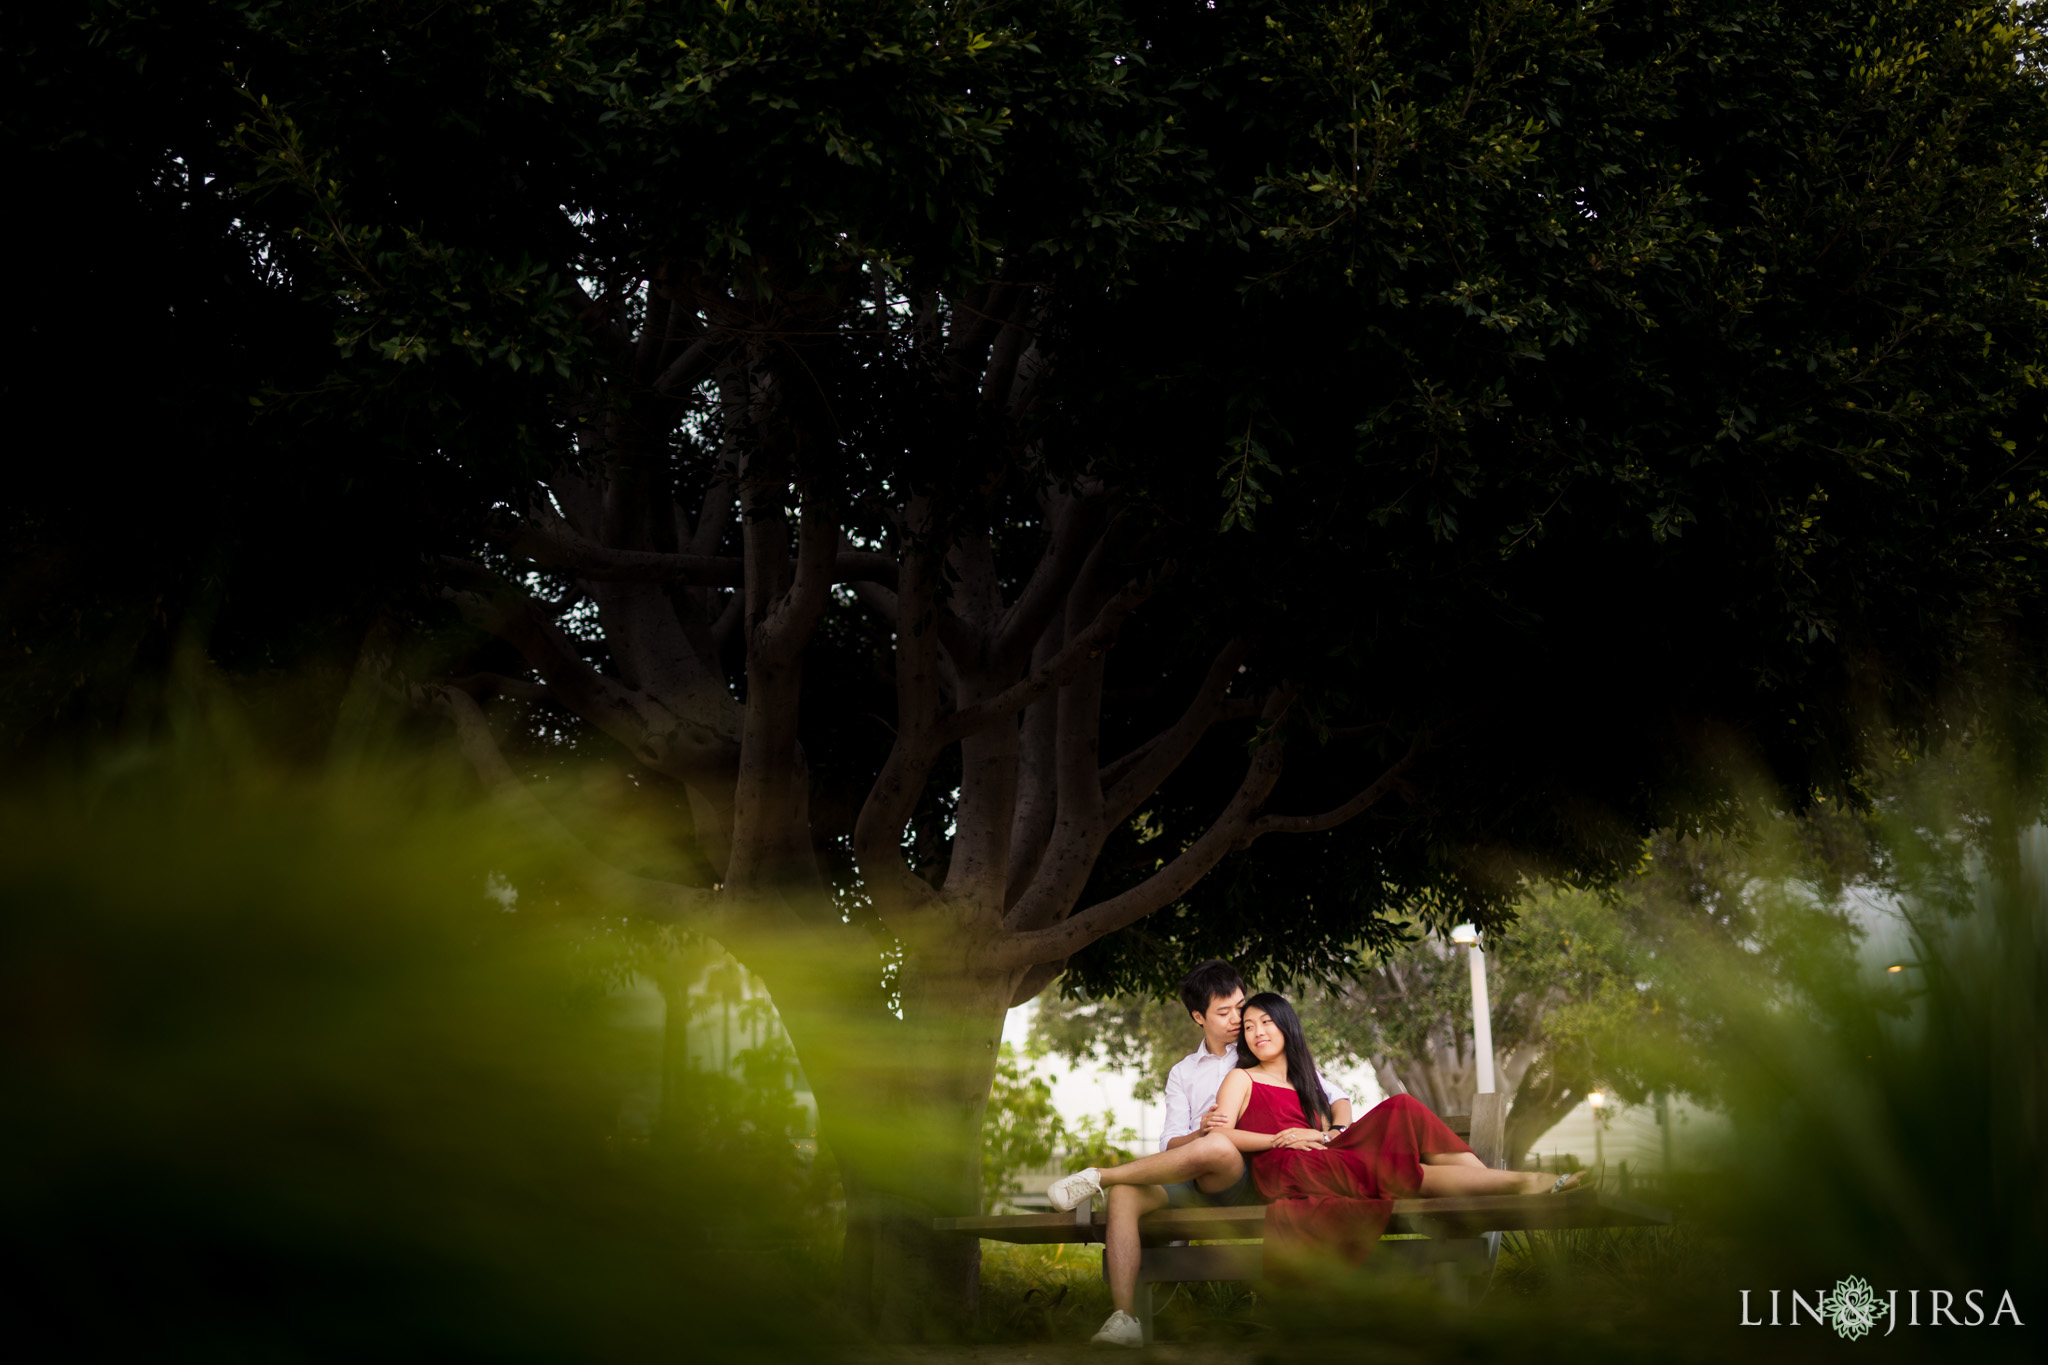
(1443, 410)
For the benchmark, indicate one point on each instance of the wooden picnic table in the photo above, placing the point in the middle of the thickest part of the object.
(1456, 1239)
(1464, 1217)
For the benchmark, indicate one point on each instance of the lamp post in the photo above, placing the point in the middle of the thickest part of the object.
(1598, 1100)
(1482, 1008)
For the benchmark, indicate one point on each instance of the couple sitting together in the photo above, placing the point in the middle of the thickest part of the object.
(1250, 1120)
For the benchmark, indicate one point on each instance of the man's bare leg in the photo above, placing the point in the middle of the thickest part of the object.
(1212, 1161)
(1120, 1249)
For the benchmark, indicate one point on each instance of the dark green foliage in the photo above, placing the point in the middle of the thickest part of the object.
(1650, 384)
(142, 506)
(283, 1082)
(1885, 1070)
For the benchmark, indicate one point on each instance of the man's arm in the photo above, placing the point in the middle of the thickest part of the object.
(1340, 1103)
(1202, 1126)
(1179, 1123)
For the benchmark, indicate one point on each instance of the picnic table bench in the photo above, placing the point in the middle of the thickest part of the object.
(1455, 1239)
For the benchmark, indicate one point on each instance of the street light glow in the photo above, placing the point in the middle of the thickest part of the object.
(1896, 967)
(1465, 933)
(1596, 1098)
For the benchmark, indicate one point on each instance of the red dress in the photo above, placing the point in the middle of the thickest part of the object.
(1339, 1198)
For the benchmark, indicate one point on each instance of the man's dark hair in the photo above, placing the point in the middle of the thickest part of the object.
(1207, 983)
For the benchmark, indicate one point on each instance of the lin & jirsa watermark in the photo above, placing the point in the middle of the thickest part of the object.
(1853, 1309)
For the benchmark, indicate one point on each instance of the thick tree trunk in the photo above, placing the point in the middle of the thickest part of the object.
(900, 1280)
(1541, 1100)
(900, 1106)
(915, 1155)
(675, 1053)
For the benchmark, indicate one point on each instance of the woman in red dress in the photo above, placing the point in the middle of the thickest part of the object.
(1335, 1186)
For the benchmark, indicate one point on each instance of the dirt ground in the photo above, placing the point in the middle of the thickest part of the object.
(1065, 1353)
(1347, 1350)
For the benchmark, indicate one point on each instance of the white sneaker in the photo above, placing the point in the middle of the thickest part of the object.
(1072, 1191)
(1120, 1330)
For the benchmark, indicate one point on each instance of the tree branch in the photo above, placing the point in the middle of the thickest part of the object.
(1330, 819)
(1073, 536)
(1037, 781)
(1034, 980)
(1170, 882)
(789, 623)
(877, 599)
(519, 689)
(691, 365)
(1169, 749)
(1231, 708)
(975, 322)
(508, 613)
(712, 519)
(654, 333)
(726, 628)
(878, 829)
(1078, 831)
(1072, 658)
(643, 723)
(561, 547)
(695, 907)
(599, 318)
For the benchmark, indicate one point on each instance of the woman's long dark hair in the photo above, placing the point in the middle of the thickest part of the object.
(1301, 1067)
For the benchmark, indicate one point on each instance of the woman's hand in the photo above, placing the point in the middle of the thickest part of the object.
(1301, 1140)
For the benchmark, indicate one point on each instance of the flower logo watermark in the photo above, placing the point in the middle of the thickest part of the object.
(1853, 1308)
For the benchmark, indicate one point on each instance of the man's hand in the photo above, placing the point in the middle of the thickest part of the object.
(1213, 1118)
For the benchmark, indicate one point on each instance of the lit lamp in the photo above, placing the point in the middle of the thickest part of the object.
(1598, 1100)
(1482, 1009)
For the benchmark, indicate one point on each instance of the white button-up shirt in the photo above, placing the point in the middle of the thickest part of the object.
(1192, 1085)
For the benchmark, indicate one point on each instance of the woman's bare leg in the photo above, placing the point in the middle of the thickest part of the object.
(1445, 1181)
(1452, 1159)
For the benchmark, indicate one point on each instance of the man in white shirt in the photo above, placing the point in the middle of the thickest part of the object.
(1197, 1166)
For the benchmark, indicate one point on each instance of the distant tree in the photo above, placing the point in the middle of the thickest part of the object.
(1564, 982)
(1020, 1130)
(983, 468)
(1140, 1035)
(1023, 1129)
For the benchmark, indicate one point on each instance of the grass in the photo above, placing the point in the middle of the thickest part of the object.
(1597, 1294)
(1057, 1293)
(1619, 1261)
(1042, 1293)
